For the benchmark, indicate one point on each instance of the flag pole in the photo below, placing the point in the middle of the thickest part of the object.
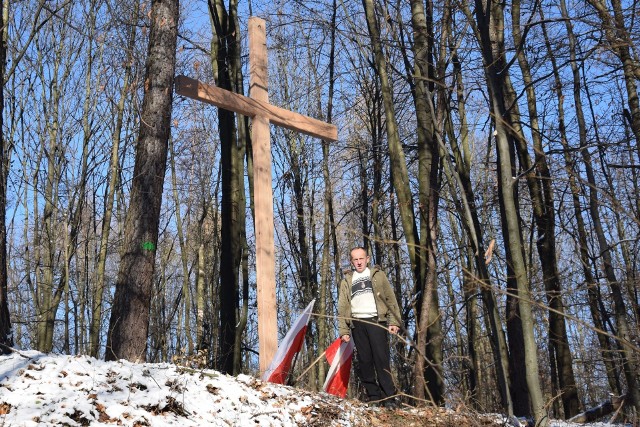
(293, 364)
(309, 367)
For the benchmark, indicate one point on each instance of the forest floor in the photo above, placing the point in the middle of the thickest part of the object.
(48, 390)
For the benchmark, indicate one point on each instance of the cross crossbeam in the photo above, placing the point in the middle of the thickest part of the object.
(222, 98)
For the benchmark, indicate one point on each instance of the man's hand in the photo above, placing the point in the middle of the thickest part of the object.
(393, 329)
(346, 338)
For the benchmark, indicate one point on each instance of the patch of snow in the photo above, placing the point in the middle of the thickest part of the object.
(39, 389)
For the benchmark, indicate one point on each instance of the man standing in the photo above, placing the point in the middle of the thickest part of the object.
(369, 311)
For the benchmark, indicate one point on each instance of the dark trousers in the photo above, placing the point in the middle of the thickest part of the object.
(372, 345)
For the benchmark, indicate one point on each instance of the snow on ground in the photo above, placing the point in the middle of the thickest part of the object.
(39, 389)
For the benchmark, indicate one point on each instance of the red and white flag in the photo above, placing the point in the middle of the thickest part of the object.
(291, 344)
(339, 356)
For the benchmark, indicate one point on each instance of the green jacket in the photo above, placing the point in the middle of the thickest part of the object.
(386, 303)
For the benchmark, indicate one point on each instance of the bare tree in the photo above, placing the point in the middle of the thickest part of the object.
(225, 57)
(539, 182)
(129, 321)
(425, 76)
(114, 174)
(424, 280)
(574, 185)
(328, 224)
(490, 22)
(6, 338)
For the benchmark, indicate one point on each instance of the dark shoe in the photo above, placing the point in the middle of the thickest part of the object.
(375, 403)
(391, 404)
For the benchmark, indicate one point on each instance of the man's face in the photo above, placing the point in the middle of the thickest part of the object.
(359, 259)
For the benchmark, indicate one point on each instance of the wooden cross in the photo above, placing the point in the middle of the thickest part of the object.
(262, 114)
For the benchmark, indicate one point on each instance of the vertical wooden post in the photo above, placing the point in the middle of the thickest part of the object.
(263, 197)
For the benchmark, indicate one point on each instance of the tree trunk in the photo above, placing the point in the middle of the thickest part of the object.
(109, 194)
(429, 378)
(54, 155)
(328, 228)
(200, 299)
(76, 209)
(185, 318)
(210, 306)
(576, 195)
(429, 331)
(6, 336)
(129, 321)
(226, 62)
(469, 212)
(490, 27)
(539, 182)
(515, 332)
(400, 176)
(476, 392)
(77, 201)
(623, 333)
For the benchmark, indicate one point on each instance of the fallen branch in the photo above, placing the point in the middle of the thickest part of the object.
(8, 350)
(605, 408)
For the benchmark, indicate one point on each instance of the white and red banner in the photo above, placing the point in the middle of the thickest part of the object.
(291, 344)
(339, 356)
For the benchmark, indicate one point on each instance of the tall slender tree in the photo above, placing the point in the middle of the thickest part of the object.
(54, 69)
(328, 224)
(185, 316)
(461, 171)
(574, 186)
(98, 292)
(430, 349)
(490, 22)
(6, 337)
(399, 172)
(129, 322)
(426, 74)
(225, 59)
(539, 182)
